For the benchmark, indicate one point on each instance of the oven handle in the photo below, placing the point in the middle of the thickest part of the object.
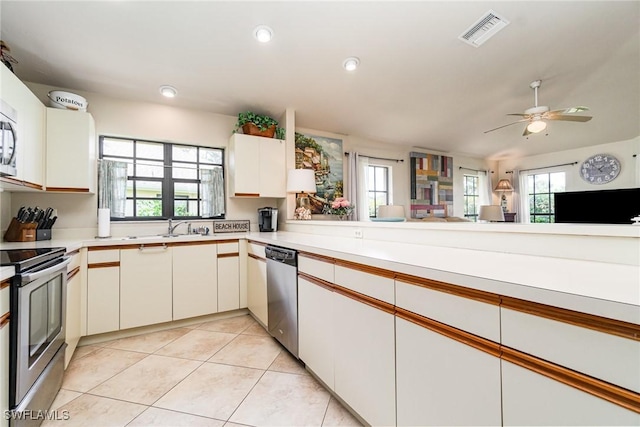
(26, 278)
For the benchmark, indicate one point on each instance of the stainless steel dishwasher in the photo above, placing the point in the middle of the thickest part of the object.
(282, 296)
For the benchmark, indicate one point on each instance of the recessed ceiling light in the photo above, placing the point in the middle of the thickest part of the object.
(263, 33)
(351, 63)
(168, 91)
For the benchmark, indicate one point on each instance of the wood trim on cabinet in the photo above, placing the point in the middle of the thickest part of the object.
(68, 189)
(112, 247)
(576, 318)
(317, 257)
(104, 264)
(227, 241)
(5, 283)
(376, 271)
(318, 282)
(229, 255)
(459, 335)
(72, 273)
(449, 288)
(255, 242)
(33, 185)
(365, 299)
(73, 253)
(257, 257)
(246, 194)
(196, 243)
(4, 319)
(10, 180)
(604, 390)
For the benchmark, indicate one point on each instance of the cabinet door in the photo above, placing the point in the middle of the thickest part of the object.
(228, 282)
(4, 371)
(315, 329)
(73, 322)
(145, 286)
(244, 164)
(195, 277)
(273, 170)
(529, 398)
(70, 141)
(441, 381)
(365, 359)
(103, 300)
(257, 289)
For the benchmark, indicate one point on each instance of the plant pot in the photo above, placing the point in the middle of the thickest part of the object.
(251, 129)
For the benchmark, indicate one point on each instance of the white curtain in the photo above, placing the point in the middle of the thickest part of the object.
(212, 192)
(357, 170)
(485, 188)
(520, 201)
(112, 187)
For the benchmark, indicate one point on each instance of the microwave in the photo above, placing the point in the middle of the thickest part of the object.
(8, 139)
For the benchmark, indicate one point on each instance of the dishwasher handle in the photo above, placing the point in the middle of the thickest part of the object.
(282, 255)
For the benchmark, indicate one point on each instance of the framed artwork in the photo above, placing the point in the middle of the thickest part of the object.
(325, 156)
(431, 185)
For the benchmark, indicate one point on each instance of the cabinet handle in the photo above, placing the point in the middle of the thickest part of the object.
(150, 249)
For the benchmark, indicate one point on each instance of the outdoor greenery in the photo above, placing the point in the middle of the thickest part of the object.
(541, 189)
(303, 142)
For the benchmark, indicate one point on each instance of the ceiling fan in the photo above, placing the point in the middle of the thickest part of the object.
(537, 115)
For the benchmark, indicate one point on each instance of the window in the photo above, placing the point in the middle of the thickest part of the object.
(540, 188)
(377, 188)
(471, 197)
(167, 180)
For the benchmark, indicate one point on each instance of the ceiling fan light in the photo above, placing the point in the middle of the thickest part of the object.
(537, 126)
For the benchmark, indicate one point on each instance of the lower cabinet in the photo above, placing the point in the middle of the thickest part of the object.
(529, 398)
(364, 359)
(441, 381)
(257, 288)
(228, 276)
(73, 312)
(145, 286)
(4, 370)
(195, 280)
(103, 291)
(315, 329)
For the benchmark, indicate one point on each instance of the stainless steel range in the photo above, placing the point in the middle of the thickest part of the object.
(36, 343)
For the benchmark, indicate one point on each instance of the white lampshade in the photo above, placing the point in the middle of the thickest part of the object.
(301, 181)
(390, 211)
(491, 213)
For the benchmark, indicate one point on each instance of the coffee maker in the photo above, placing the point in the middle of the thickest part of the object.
(268, 219)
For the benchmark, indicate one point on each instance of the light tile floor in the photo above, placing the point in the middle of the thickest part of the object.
(227, 372)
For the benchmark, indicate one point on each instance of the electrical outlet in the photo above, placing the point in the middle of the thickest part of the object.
(357, 233)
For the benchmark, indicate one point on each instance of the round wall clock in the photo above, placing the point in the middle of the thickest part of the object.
(600, 169)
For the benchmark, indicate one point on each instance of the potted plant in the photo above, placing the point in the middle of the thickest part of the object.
(259, 125)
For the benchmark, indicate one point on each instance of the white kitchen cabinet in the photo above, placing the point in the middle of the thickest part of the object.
(4, 354)
(441, 381)
(30, 151)
(364, 361)
(71, 151)
(315, 329)
(145, 286)
(228, 276)
(103, 291)
(257, 288)
(529, 398)
(73, 312)
(195, 280)
(257, 166)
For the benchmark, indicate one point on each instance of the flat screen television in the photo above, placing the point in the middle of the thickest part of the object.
(598, 207)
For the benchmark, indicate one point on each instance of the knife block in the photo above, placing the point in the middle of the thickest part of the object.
(20, 232)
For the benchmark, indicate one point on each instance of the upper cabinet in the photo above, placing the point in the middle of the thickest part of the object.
(257, 167)
(71, 151)
(30, 147)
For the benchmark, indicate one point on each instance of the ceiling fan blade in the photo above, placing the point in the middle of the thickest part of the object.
(519, 114)
(526, 131)
(570, 110)
(569, 118)
(504, 126)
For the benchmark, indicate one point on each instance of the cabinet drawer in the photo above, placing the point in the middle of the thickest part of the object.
(256, 249)
(314, 267)
(601, 355)
(110, 255)
(228, 248)
(472, 316)
(370, 284)
(75, 261)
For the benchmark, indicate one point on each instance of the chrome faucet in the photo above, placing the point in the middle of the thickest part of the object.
(172, 227)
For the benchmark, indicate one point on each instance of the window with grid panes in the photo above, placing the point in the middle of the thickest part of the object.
(471, 197)
(540, 189)
(377, 188)
(162, 178)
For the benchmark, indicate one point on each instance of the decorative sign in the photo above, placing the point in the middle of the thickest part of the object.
(230, 226)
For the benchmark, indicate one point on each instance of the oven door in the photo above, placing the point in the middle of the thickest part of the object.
(40, 332)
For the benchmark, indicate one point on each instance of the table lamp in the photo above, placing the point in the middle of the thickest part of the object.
(301, 182)
(491, 213)
(503, 186)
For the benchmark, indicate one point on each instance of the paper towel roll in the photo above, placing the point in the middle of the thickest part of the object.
(104, 222)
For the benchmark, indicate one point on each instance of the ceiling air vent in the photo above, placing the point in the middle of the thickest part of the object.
(483, 29)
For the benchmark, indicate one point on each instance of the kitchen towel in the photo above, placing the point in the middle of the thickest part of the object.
(104, 222)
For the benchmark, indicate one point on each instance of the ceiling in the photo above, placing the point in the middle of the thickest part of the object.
(417, 84)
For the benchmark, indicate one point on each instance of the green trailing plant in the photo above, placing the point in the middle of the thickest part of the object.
(261, 121)
(280, 133)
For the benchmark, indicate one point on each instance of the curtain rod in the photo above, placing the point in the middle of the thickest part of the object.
(346, 153)
(545, 167)
(472, 170)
